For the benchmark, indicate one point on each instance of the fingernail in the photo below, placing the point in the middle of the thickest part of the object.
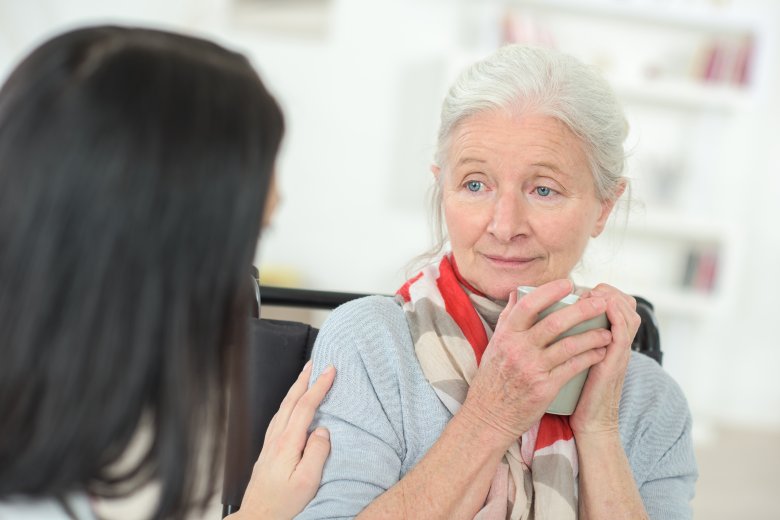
(329, 369)
(322, 432)
(598, 303)
(607, 335)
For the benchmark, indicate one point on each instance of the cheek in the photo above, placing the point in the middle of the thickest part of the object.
(462, 226)
(565, 236)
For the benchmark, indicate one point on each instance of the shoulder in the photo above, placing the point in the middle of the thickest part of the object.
(654, 415)
(649, 388)
(372, 329)
(367, 311)
(379, 383)
(651, 398)
(648, 384)
(369, 343)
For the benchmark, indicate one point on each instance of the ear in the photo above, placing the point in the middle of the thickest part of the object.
(606, 210)
(435, 170)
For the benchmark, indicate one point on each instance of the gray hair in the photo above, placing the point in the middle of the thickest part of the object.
(526, 80)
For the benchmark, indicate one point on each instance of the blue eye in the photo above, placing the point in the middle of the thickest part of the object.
(543, 191)
(474, 186)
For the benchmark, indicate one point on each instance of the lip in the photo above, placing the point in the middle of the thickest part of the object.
(509, 261)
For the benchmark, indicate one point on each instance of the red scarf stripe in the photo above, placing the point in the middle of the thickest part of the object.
(553, 428)
(462, 280)
(404, 290)
(458, 305)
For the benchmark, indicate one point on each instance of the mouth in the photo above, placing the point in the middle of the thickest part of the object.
(510, 261)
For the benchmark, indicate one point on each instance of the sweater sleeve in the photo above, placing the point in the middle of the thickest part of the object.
(656, 429)
(362, 411)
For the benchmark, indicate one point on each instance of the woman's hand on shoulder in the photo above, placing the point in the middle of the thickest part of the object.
(287, 473)
(523, 367)
(597, 410)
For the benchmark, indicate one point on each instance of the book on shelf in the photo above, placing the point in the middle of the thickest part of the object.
(701, 270)
(726, 62)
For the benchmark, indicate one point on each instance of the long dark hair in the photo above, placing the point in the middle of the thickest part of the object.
(134, 166)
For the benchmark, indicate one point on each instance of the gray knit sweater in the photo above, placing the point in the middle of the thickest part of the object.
(383, 416)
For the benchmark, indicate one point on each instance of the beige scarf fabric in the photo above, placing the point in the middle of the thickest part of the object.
(451, 325)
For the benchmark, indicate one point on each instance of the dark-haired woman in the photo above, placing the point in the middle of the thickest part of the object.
(134, 170)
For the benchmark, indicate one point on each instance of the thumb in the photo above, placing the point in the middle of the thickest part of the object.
(510, 304)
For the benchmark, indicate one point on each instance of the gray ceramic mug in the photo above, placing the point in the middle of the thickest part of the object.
(566, 400)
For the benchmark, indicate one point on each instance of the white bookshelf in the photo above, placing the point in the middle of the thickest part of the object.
(682, 95)
(647, 256)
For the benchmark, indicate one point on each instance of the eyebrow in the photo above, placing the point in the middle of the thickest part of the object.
(552, 167)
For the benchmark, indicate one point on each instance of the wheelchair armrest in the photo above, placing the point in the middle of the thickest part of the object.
(647, 339)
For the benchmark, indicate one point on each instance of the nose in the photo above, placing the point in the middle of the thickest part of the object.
(510, 217)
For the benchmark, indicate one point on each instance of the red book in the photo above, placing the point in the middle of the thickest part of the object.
(710, 63)
(741, 72)
(706, 274)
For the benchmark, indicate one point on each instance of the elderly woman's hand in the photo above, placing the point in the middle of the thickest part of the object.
(523, 367)
(287, 473)
(597, 410)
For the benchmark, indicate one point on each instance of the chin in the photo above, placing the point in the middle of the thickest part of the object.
(499, 292)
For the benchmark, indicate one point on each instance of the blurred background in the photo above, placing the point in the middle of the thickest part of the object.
(361, 83)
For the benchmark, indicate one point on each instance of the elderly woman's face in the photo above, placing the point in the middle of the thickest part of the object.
(519, 201)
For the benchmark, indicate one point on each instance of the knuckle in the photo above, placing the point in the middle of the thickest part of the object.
(569, 346)
(539, 391)
(595, 355)
(585, 309)
(574, 363)
(635, 320)
(288, 401)
(524, 304)
(307, 402)
(536, 377)
(305, 481)
(554, 323)
(273, 422)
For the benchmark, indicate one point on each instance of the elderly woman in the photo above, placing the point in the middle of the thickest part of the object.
(438, 410)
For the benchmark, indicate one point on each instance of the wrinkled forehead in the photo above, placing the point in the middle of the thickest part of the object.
(497, 138)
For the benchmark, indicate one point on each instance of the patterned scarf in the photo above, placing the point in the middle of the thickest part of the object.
(451, 325)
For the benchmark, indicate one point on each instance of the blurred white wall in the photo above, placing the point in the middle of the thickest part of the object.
(353, 212)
